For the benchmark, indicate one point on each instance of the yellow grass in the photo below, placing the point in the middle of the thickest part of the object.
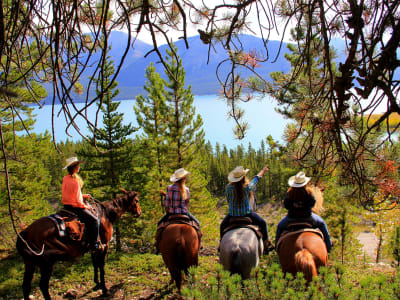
(394, 119)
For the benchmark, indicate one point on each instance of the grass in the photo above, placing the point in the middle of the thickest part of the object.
(144, 276)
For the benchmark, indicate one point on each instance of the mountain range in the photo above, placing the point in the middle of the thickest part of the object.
(200, 64)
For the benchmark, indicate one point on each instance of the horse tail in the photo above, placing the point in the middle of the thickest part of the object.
(180, 260)
(305, 263)
(236, 266)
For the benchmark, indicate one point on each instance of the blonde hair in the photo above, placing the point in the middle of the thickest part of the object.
(182, 187)
(78, 178)
(319, 199)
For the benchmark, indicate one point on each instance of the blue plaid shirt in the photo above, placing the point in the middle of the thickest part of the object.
(244, 208)
(173, 201)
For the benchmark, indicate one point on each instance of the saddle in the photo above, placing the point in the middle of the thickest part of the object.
(297, 228)
(68, 225)
(242, 222)
(176, 219)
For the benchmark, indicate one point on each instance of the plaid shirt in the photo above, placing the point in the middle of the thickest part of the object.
(173, 201)
(236, 209)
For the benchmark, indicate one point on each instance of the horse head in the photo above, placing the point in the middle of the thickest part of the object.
(131, 202)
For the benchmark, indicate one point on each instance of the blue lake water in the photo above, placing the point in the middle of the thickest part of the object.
(260, 115)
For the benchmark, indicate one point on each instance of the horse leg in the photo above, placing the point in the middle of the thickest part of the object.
(95, 272)
(28, 276)
(98, 259)
(45, 273)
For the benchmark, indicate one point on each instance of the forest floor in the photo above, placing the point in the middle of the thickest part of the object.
(143, 276)
(369, 241)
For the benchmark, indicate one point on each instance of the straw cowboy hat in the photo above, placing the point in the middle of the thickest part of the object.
(299, 180)
(237, 174)
(72, 161)
(179, 174)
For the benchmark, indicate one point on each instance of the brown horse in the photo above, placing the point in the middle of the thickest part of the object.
(304, 250)
(179, 247)
(41, 246)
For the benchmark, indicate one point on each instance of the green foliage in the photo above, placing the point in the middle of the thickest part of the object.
(108, 148)
(30, 182)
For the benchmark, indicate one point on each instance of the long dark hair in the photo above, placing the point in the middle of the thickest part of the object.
(299, 194)
(239, 189)
(71, 171)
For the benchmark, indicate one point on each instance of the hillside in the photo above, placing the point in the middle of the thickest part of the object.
(200, 71)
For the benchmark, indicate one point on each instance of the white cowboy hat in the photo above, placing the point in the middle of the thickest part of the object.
(237, 174)
(179, 174)
(298, 180)
(72, 161)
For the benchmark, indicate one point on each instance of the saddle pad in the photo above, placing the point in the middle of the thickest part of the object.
(286, 234)
(60, 224)
(255, 228)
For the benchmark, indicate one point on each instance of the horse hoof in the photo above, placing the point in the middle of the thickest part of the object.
(105, 292)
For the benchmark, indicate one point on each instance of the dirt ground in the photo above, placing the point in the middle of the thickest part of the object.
(369, 242)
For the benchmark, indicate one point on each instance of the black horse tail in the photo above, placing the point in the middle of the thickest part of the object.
(236, 262)
(180, 260)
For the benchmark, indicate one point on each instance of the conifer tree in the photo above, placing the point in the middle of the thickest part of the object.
(186, 135)
(151, 115)
(108, 151)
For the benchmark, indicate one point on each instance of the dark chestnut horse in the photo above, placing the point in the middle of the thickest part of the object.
(304, 250)
(179, 247)
(41, 245)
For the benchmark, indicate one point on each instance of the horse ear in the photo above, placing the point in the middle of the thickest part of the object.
(125, 191)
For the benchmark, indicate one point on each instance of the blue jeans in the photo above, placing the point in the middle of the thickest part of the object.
(257, 220)
(316, 221)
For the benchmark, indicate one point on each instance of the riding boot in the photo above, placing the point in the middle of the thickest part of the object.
(200, 234)
(268, 246)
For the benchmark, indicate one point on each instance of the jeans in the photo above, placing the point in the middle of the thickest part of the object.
(257, 220)
(316, 221)
(165, 218)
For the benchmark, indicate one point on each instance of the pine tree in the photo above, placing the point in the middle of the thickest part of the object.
(109, 150)
(151, 113)
(186, 135)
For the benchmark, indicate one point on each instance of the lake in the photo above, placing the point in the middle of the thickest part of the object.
(260, 115)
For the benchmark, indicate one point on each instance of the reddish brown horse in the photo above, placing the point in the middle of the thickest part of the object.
(41, 246)
(179, 247)
(304, 251)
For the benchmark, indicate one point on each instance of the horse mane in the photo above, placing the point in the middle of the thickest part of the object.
(319, 199)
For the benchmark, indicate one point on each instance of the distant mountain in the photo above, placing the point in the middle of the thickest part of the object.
(200, 71)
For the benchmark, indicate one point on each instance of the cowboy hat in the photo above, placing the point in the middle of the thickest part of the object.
(299, 180)
(237, 174)
(179, 174)
(72, 161)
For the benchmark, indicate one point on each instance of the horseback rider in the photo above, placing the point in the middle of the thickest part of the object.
(75, 202)
(176, 200)
(299, 202)
(238, 192)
